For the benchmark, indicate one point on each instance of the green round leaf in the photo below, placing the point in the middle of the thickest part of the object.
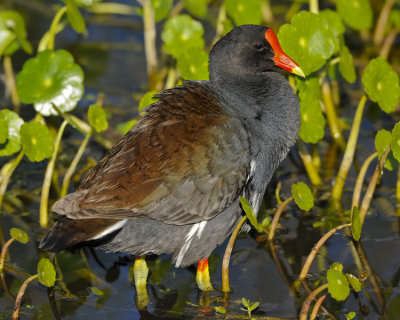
(97, 118)
(356, 224)
(346, 65)
(350, 315)
(74, 17)
(46, 272)
(193, 64)
(307, 41)
(354, 282)
(356, 13)
(395, 142)
(180, 33)
(197, 8)
(390, 162)
(302, 196)
(337, 266)
(220, 309)
(37, 141)
(12, 27)
(382, 141)
(312, 123)
(381, 84)
(161, 8)
(147, 100)
(126, 126)
(244, 11)
(333, 21)
(51, 77)
(338, 285)
(3, 129)
(14, 123)
(19, 235)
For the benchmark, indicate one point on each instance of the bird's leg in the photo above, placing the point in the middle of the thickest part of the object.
(203, 276)
(140, 273)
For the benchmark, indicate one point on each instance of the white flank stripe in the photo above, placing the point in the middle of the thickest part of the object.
(198, 227)
(110, 229)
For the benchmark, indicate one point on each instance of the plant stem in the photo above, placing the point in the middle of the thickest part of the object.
(308, 163)
(349, 152)
(306, 304)
(331, 115)
(227, 256)
(317, 306)
(315, 250)
(6, 172)
(10, 80)
(360, 179)
(372, 185)
(314, 6)
(53, 28)
(277, 192)
(150, 43)
(74, 164)
(112, 8)
(388, 43)
(277, 215)
(382, 21)
(20, 295)
(44, 198)
(3, 254)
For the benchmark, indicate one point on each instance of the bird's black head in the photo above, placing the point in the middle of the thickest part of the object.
(248, 52)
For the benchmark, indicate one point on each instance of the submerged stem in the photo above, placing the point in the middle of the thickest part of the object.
(20, 295)
(349, 152)
(44, 198)
(314, 251)
(306, 304)
(227, 255)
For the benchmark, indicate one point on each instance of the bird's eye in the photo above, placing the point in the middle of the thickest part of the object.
(258, 46)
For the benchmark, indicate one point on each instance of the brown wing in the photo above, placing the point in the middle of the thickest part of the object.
(184, 162)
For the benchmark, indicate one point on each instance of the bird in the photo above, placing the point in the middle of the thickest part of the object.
(172, 184)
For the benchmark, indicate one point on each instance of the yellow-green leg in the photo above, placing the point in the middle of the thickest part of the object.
(140, 272)
(203, 276)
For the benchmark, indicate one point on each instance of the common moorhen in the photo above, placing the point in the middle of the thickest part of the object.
(173, 182)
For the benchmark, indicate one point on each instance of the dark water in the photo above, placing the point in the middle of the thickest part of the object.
(112, 56)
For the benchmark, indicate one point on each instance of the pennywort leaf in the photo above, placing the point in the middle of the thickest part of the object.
(46, 272)
(19, 235)
(356, 13)
(382, 141)
(244, 11)
(395, 142)
(346, 64)
(50, 78)
(147, 100)
(302, 196)
(37, 141)
(97, 118)
(381, 83)
(338, 285)
(75, 17)
(13, 140)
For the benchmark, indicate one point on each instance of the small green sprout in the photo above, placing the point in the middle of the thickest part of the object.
(249, 306)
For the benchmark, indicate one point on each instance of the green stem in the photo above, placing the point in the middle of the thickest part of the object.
(314, 6)
(349, 152)
(112, 8)
(360, 180)
(74, 164)
(227, 255)
(53, 27)
(277, 215)
(331, 115)
(20, 295)
(44, 199)
(308, 163)
(6, 173)
(150, 43)
(372, 185)
(10, 79)
(382, 22)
